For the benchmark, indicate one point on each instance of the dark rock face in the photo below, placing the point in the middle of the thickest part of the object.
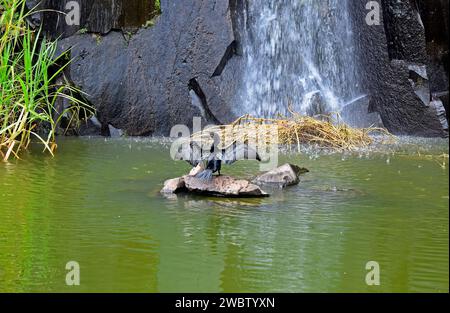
(188, 63)
(402, 72)
(357, 114)
(183, 66)
(435, 16)
(99, 16)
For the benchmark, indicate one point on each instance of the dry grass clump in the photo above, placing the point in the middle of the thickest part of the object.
(327, 131)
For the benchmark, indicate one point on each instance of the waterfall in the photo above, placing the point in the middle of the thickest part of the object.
(297, 52)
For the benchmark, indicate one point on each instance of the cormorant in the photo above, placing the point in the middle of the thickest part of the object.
(211, 161)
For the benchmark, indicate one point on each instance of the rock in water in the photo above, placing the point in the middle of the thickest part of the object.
(283, 176)
(224, 186)
(175, 185)
(357, 114)
(221, 186)
(196, 170)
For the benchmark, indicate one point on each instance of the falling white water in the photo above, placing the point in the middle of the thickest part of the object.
(297, 52)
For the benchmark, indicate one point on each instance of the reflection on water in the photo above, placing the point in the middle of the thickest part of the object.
(98, 203)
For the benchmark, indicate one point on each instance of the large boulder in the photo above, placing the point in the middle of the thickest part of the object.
(219, 186)
(174, 185)
(224, 186)
(357, 114)
(283, 176)
(404, 63)
(143, 83)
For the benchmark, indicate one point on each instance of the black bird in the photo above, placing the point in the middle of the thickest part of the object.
(213, 165)
(211, 161)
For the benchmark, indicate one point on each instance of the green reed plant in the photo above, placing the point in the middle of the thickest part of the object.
(29, 68)
(158, 6)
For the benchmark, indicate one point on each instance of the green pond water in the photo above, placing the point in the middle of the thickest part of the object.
(97, 202)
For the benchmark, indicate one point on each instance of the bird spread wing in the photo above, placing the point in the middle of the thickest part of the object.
(239, 151)
(192, 153)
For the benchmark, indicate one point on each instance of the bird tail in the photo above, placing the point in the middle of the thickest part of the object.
(205, 175)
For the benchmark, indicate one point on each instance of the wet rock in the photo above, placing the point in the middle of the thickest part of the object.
(114, 132)
(195, 170)
(419, 82)
(435, 16)
(185, 65)
(438, 106)
(223, 186)
(34, 19)
(401, 65)
(444, 98)
(317, 105)
(99, 16)
(174, 185)
(189, 63)
(283, 176)
(357, 114)
(91, 127)
(219, 186)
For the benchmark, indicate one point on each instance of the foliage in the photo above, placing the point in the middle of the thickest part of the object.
(29, 69)
(158, 6)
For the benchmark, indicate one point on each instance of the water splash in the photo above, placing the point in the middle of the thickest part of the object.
(299, 52)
